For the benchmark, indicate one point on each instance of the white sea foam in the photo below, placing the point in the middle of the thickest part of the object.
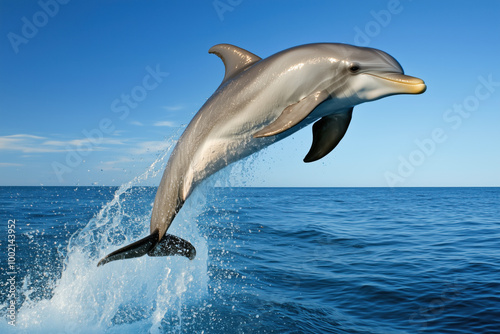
(128, 296)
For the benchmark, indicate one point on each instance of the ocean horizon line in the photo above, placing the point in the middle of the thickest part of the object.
(256, 187)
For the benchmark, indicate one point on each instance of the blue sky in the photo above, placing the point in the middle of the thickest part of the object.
(91, 91)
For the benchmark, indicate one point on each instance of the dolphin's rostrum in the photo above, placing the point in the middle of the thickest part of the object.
(259, 102)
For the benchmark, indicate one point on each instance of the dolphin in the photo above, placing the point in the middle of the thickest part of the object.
(259, 102)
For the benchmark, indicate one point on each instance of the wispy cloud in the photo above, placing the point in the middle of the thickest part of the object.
(127, 149)
(9, 164)
(23, 136)
(25, 143)
(83, 142)
(111, 165)
(166, 123)
(36, 144)
(118, 161)
(174, 107)
(118, 133)
(136, 123)
(150, 147)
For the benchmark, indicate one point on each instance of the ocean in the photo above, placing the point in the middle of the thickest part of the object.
(269, 260)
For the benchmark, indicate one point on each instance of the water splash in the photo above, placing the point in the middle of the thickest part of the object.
(127, 296)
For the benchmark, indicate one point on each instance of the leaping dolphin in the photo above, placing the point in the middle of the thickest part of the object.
(259, 102)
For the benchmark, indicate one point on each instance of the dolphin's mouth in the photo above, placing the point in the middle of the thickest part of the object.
(410, 84)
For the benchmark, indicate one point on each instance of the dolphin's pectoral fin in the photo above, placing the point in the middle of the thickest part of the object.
(136, 249)
(293, 115)
(327, 133)
(235, 59)
(172, 245)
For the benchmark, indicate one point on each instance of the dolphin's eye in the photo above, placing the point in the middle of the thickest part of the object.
(354, 68)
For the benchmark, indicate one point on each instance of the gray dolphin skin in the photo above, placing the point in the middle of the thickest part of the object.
(259, 102)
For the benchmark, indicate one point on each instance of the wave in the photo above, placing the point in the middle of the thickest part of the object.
(138, 295)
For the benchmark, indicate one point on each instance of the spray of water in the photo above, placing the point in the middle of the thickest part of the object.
(130, 296)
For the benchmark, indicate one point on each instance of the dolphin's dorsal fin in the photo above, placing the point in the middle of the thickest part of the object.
(327, 133)
(235, 59)
(293, 115)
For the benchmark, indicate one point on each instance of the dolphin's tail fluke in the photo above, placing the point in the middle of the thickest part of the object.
(168, 245)
(172, 245)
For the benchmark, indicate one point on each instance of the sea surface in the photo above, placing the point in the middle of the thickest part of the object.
(269, 260)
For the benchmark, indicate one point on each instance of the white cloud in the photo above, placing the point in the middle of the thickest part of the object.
(118, 161)
(36, 144)
(136, 123)
(83, 142)
(166, 123)
(21, 136)
(110, 165)
(118, 133)
(24, 143)
(174, 108)
(9, 164)
(29, 146)
(151, 147)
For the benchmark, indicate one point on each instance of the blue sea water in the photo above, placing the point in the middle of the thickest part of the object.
(269, 260)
